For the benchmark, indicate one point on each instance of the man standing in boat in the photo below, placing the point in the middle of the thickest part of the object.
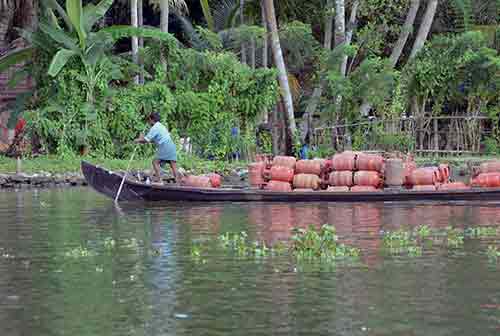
(166, 150)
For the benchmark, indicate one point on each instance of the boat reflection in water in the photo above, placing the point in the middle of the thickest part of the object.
(357, 225)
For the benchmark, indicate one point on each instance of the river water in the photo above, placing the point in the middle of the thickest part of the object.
(71, 263)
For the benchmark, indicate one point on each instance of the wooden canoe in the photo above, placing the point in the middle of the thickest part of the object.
(108, 182)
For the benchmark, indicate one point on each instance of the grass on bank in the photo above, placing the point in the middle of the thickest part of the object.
(191, 163)
(54, 164)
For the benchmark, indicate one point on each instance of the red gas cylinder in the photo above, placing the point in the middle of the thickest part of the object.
(306, 181)
(487, 180)
(454, 186)
(368, 178)
(490, 167)
(364, 189)
(409, 168)
(445, 172)
(285, 161)
(215, 180)
(255, 174)
(423, 176)
(338, 189)
(344, 161)
(280, 173)
(424, 188)
(309, 167)
(370, 162)
(278, 186)
(341, 179)
(196, 181)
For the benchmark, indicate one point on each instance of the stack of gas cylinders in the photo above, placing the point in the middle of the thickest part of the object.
(487, 175)
(204, 181)
(358, 172)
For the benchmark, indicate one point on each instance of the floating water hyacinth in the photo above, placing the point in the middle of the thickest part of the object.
(79, 252)
(493, 253)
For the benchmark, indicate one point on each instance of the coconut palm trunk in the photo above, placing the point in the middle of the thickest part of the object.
(265, 47)
(164, 12)
(7, 10)
(425, 27)
(349, 33)
(280, 64)
(135, 42)
(140, 22)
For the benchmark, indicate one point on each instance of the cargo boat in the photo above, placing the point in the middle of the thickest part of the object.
(108, 183)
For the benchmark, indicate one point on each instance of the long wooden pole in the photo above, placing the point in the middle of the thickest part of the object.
(125, 175)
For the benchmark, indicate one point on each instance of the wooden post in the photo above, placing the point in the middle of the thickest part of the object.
(436, 137)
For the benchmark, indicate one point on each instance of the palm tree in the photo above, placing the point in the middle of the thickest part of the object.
(425, 27)
(165, 6)
(280, 64)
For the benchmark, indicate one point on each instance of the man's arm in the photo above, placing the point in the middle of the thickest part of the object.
(141, 139)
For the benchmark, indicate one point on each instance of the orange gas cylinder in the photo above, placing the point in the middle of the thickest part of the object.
(255, 173)
(215, 180)
(285, 161)
(280, 173)
(445, 172)
(196, 181)
(368, 178)
(409, 167)
(424, 188)
(344, 161)
(487, 180)
(278, 186)
(309, 167)
(454, 186)
(370, 162)
(341, 179)
(364, 189)
(439, 173)
(306, 181)
(423, 176)
(490, 167)
(338, 189)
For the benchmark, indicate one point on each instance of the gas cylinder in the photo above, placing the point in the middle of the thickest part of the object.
(344, 161)
(454, 186)
(341, 179)
(490, 167)
(424, 188)
(445, 172)
(285, 161)
(306, 181)
(368, 178)
(278, 186)
(394, 173)
(281, 173)
(303, 190)
(370, 162)
(255, 174)
(309, 167)
(487, 180)
(364, 189)
(196, 181)
(215, 180)
(338, 189)
(423, 176)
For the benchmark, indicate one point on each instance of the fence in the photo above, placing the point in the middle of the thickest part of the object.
(441, 135)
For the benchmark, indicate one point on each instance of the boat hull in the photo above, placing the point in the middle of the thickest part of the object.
(108, 182)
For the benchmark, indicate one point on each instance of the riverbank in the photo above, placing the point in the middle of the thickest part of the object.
(49, 171)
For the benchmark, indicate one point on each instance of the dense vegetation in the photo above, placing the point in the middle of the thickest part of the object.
(343, 61)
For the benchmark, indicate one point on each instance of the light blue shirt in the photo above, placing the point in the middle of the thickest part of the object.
(158, 134)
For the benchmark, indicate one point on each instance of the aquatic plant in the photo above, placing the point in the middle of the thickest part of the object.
(493, 252)
(79, 252)
(423, 231)
(321, 245)
(481, 232)
(109, 243)
(454, 237)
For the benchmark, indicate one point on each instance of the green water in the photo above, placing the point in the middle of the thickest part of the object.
(73, 264)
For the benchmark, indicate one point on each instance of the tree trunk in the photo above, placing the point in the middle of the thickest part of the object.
(164, 12)
(280, 64)
(135, 41)
(140, 21)
(339, 22)
(252, 53)
(242, 21)
(425, 27)
(265, 47)
(5, 20)
(350, 32)
(399, 46)
(405, 32)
